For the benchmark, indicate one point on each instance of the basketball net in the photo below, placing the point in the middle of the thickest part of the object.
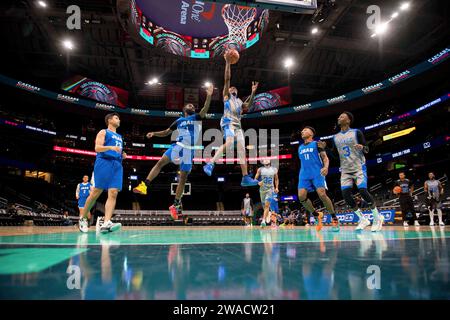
(237, 18)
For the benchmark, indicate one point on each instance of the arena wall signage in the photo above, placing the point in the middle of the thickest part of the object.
(351, 217)
(416, 70)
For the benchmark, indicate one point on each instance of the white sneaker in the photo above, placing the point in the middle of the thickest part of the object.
(110, 227)
(416, 223)
(441, 224)
(377, 225)
(405, 224)
(363, 223)
(100, 221)
(83, 225)
(432, 224)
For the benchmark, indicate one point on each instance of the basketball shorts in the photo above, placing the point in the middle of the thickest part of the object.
(311, 184)
(108, 174)
(266, 195)
(181, 156)
(359, 178)
(81, 202)
(230, 130)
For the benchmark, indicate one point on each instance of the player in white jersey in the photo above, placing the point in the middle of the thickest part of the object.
(351, 146)
(231, 125)
(268, 183)
(434, 190)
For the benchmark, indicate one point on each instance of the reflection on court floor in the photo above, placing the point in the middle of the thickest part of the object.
(227, 263)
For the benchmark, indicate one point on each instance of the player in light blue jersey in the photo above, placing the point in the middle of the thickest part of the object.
(108, 173)
(181, 152)
(231, 125)
(82, 193)
(269, 182)
(351, 146)
(314, 167)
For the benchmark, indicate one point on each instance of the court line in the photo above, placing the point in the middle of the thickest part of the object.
(188, 243)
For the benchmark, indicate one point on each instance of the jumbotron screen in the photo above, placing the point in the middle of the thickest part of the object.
(194, 29)
(271, 99)
(96, 91)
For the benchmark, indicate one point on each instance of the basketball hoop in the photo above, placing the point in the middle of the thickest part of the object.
(237, 18)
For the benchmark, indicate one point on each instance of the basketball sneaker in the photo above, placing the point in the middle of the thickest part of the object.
(83, 225)
(363, 223)
(110, 227)
(208, 169)
(416, 223)
(99, 223)
(405, 224)
(247, 181)
(263, 224)
(378, 224)
(319, 221)
(175, 210)
(441, 224)
(141, 188)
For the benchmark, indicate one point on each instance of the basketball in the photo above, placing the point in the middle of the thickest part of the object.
(397, 190)
(234, 56)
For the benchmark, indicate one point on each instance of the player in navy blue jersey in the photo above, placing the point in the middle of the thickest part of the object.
(82, 193)
(108, 173)
(181, 152)
(314, 167)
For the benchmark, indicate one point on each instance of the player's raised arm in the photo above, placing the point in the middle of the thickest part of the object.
(226, 85)
(209, 92)
(163, 133)
(249, 101)
(100, 143)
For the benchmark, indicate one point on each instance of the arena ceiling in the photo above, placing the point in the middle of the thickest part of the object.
(340, 57)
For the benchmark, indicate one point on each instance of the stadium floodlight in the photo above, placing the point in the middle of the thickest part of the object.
(314, 30)
(153, 81)
(394, 15)
(207, 84)
(68, 44)
(42, 4)
(381, 28)
(288, 62)
(404, 6)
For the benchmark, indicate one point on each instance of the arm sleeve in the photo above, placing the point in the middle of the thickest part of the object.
(77, 192)
(173, 126)
(362, 140)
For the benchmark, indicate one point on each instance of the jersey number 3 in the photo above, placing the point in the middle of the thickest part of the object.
(347, 151)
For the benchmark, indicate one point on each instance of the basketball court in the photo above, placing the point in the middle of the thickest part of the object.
(196, 263)
(163, 56)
